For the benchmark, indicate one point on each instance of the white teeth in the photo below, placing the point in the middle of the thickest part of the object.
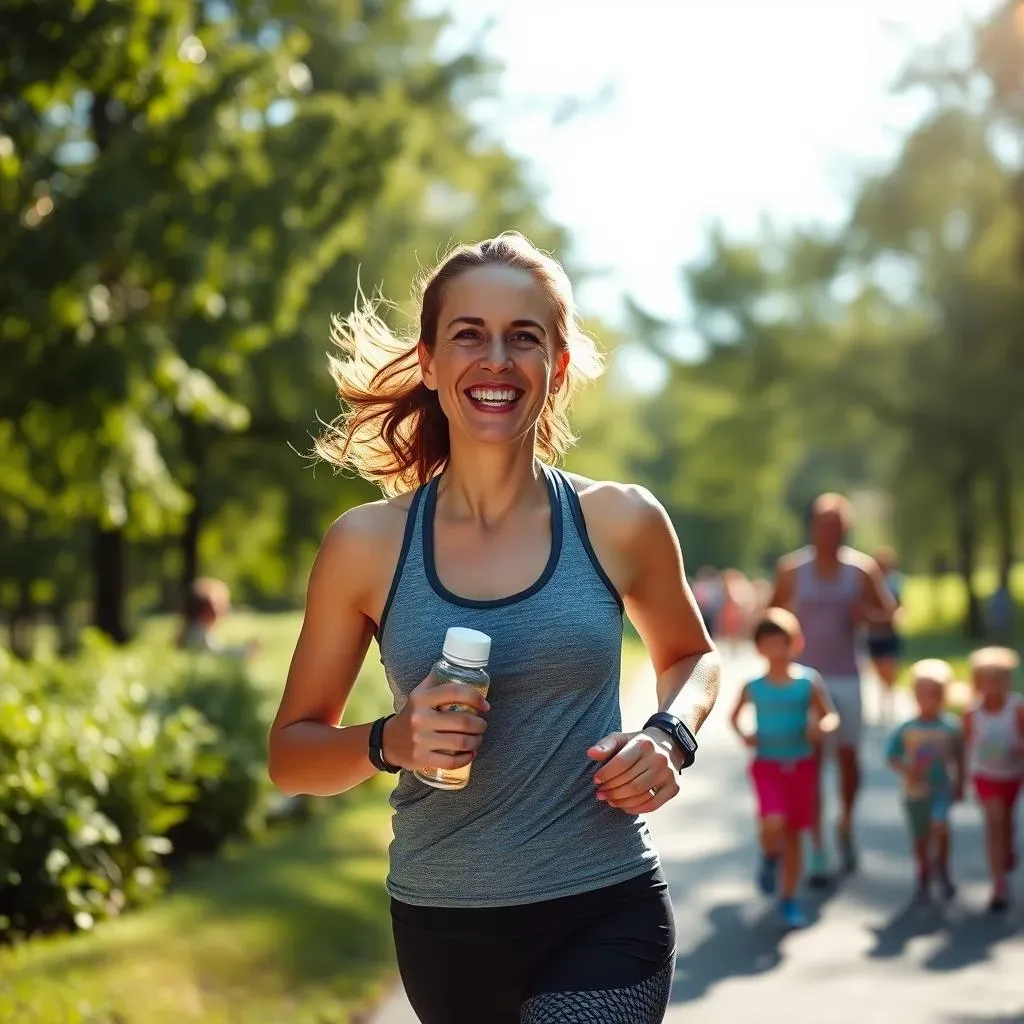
(492, 395)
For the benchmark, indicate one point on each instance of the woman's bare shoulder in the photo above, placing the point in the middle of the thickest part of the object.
(364, 543)
(618, 510)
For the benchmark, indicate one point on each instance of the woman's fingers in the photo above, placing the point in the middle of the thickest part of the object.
(645, 794)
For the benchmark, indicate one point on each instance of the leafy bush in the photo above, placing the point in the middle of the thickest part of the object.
(111, 764)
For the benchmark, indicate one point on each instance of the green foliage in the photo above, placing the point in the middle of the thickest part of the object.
(111, 764)
(188, 192)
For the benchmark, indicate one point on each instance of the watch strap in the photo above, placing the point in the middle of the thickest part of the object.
(377, 746)
(678, 731)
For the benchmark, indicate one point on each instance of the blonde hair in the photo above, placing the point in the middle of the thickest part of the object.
(995, 659)
(392, 429)
(933, 670)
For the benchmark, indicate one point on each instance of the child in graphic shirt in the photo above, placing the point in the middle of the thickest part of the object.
(994, 731)
(927, 752)
(793, 710)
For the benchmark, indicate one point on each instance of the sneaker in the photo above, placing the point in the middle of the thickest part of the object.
(847, 852)
(1000, 901)
(792, 914)
(766, 875)
(817, 870)
(947, 887)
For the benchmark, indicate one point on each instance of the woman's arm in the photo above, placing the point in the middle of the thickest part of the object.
(309, 753)
(658, 601)
(661, 606)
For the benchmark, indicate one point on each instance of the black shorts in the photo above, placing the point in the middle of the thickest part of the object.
(887, 645)
(606, 955)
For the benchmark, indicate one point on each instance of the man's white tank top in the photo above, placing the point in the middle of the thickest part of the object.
(996, 741)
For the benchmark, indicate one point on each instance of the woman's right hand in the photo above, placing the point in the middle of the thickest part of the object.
(421, 736)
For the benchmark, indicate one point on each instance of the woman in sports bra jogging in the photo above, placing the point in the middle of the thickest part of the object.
(533, 894)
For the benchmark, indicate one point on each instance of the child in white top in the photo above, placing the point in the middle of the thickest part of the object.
(994, 732)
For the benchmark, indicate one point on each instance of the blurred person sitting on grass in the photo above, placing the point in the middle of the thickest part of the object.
(994, 732)
(793, 712)
(927, 752)
(209, 603)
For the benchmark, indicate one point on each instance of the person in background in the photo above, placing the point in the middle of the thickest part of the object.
(208, 604)
(927, 752)
(834, 592)
(733, 622)
(884, 642)
(708, 592)
(793, 711)
(994, 732)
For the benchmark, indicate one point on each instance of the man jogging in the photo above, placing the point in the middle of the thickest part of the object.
(835, 591)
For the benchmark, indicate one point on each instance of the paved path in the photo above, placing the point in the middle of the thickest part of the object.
(867, 959)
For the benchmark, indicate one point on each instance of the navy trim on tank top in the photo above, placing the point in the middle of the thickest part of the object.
(576, 508)
(429, 567)
(410, 529)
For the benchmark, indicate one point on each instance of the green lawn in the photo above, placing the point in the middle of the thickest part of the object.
(933, 614)
(292, 928)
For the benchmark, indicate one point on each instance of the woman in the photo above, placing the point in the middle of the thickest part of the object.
(884, 644)
(533, 894)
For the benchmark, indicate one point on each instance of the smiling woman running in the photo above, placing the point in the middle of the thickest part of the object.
(532, 895)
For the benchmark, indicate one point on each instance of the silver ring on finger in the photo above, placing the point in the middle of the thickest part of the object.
(653, 791)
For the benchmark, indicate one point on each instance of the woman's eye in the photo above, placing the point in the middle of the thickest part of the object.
(523, 338)
(468, 333)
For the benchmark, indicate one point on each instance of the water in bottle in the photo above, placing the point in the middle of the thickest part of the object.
(463, 660)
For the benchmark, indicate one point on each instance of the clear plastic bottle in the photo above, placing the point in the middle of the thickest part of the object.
(463, 660)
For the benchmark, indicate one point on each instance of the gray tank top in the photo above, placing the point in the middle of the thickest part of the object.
(824, 608)
(528, 827)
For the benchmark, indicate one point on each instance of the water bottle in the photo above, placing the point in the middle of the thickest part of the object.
(463, 660)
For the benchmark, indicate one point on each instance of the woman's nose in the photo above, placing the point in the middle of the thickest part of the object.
(496, 353)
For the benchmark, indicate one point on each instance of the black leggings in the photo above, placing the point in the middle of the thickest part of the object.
(602, 957)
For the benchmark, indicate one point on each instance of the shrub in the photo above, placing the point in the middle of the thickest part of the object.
(109, 765)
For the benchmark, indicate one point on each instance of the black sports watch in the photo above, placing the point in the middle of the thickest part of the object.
(684, 739)
(377, 746)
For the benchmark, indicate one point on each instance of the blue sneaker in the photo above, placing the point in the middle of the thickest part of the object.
(792, 915)
(817, 870)
(766, 874)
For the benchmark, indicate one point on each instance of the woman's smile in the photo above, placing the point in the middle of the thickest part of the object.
(493, 398)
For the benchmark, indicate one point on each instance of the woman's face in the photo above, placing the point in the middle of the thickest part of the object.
(496, 358)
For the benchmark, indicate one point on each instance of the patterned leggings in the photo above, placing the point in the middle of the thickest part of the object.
(602, 957)
(642, 1003)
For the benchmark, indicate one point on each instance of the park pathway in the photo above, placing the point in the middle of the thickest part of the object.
(866, 959)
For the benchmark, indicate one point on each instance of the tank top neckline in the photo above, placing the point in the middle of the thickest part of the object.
(430, 567)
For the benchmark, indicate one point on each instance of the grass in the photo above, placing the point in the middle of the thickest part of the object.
(294, 927)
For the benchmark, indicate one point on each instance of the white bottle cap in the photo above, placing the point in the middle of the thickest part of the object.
(468, 647)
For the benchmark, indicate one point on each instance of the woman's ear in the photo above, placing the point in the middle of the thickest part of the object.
(561, 368)
(426, 361)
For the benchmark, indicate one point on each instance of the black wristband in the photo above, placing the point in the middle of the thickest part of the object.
(377, 746)
(680, 733)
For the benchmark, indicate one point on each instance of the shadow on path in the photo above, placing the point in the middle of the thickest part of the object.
(737, 946)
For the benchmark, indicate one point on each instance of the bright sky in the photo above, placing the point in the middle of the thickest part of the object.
(724, 111)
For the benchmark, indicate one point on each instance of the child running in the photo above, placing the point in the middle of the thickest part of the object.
(994, 732)
(793, 710)
(927, 751)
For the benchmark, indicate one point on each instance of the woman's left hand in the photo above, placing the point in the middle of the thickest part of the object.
(639, 773)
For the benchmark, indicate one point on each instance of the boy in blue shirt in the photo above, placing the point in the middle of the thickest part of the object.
(793, 712)
(927, 752)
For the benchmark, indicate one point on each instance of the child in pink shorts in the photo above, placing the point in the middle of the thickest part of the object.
(994, 732)
(793, 710)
